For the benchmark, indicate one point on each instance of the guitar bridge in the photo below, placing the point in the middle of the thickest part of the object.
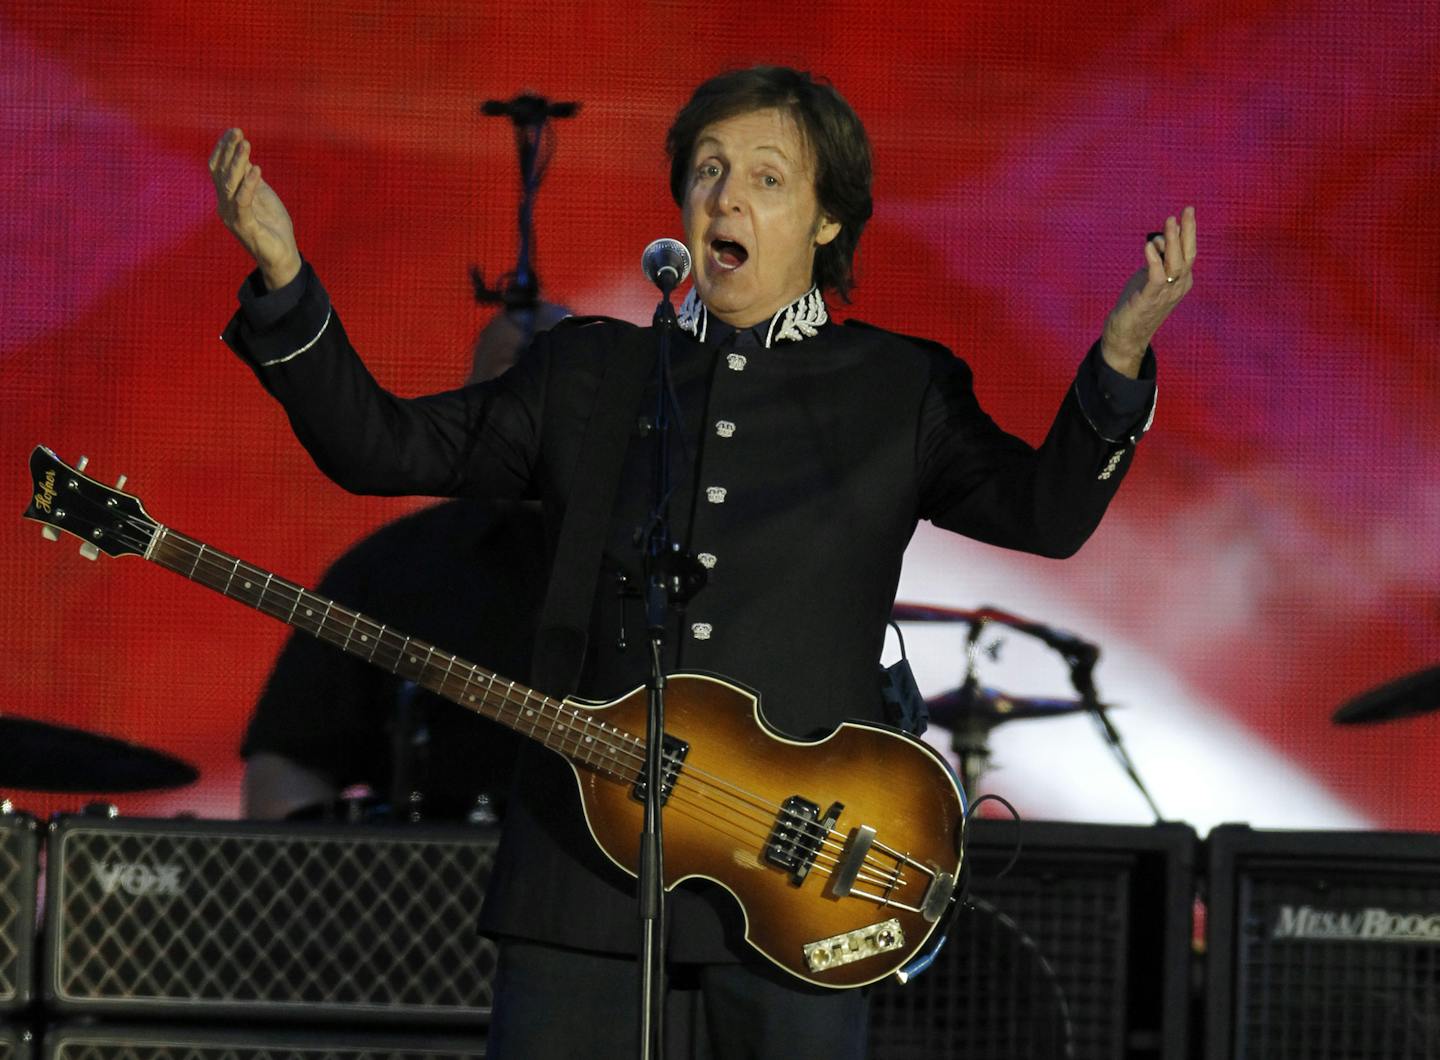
(798, 834)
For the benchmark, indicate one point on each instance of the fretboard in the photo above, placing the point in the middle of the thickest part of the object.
(571, 731)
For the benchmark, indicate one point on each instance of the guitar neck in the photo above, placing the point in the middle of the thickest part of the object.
(554, 723)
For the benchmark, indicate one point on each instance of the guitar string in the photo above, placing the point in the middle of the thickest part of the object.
(884, 900)
(547, 709)
(888, 883)
(218, 561)
(570, 725)
(572, 731)
(686, 778)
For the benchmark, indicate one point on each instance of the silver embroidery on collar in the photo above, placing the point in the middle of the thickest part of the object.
(800, 320)
(693, 316)
(803, 318)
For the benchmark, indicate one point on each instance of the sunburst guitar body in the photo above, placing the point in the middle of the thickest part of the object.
(843, 853)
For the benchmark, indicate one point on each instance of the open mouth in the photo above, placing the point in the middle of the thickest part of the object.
(728, 253)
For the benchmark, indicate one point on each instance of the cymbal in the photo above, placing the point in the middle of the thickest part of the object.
(41, 756)
(989, 707)
(1404, 697)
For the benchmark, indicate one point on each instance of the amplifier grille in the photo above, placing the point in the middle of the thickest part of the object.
(209, 918)
(129, 1051)
(180, 1043)
(1040, 960)
(1081, 951)
(1353, 997)
(18, 845)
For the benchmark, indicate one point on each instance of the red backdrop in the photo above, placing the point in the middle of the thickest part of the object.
(1274, 552)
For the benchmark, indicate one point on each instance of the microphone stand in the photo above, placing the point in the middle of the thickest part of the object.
(519, 290)
(1080, 655)
(969, 738)
(409, 735)
(663, 587)
(1081, 660)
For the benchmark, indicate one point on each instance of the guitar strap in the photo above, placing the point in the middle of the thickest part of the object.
(563, 635)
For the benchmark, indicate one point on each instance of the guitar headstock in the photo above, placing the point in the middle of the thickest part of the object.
(103, 518)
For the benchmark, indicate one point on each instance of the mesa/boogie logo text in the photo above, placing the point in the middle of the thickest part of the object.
(1355, 925)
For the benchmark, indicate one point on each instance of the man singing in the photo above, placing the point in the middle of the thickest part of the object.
(803, 452)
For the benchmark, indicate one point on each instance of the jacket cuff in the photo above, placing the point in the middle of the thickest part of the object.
(1118, 408)
(272, 327)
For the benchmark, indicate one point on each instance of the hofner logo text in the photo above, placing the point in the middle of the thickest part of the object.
(1357, 925)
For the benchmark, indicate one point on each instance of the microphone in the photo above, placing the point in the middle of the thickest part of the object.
(666, 263)
(1067, 643)
(1063, 641)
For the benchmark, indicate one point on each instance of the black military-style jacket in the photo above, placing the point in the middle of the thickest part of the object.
(803, 458)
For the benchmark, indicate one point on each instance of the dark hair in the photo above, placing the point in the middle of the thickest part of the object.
(829, 127)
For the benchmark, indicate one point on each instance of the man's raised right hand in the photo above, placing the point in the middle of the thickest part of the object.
(252, 211)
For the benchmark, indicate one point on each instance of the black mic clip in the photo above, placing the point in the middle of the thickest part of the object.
(513, 291)
(528, 109)
(680, 573)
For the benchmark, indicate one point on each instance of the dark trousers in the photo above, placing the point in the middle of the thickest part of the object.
(553, 1004)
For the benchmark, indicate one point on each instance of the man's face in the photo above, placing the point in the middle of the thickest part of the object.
(752, 221)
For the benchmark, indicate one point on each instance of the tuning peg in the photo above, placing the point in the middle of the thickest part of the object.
(120, 482)
(80, 464)
(49, 533)
(89, 551)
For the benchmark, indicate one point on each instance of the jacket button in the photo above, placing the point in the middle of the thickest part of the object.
(701, 630)
(715, 494)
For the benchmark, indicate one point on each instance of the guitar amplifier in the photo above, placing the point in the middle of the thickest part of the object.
(124, 1042)
(263, 921)
(1322, 945)
(19, 842)
(1082, 950)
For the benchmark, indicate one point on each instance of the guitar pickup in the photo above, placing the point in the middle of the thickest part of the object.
(672, 757)
(798, 834)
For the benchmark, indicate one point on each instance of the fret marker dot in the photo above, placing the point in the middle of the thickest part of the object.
(247, 585)
(412, 658)
(472, 699)
(364, 637)
(308, 612)
(530, 713)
